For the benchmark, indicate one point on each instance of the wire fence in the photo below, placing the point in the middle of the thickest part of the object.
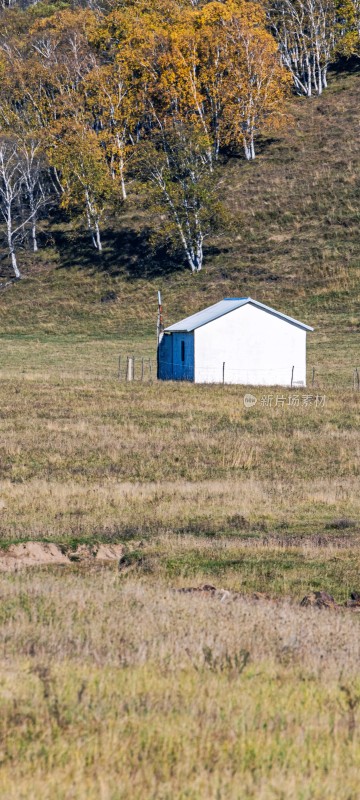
(144, 370)
(139, 368)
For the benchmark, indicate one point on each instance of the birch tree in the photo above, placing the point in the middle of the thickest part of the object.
(174, 163)
(62, 59)
(76, 152)
(248, 98)
(174, 145)
(20, 196)
(36, 187)
(109, 94)
(10, 194)
(310, 34)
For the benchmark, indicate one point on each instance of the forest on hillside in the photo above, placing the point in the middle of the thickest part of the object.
(100, 98)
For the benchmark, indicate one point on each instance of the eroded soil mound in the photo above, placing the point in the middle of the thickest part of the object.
(101, 552)
(32, 554)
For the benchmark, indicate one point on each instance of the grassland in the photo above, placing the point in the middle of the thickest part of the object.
(114, 684)
(115, 689)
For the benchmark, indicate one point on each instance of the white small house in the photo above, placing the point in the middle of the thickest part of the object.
(237, 340)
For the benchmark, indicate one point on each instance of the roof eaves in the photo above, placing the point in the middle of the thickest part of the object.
(189, 329)
(279, 314)
(240, 301)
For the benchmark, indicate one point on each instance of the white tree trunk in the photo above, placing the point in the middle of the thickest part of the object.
(12, 253)
(93, 223)
(88, 218)
(14, 264)
(249, 150)
(34, 237)
(123, 187)
(122, 179)
(195, 260)
(120, 147)
(33, 222)
(252, 147)
(97, 236)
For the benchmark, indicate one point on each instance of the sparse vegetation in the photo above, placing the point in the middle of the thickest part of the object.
(113, 683)
(121, 688)
(167, 694)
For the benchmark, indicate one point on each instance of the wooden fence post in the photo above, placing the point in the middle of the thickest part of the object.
(130, 368)
(223, 372)
(292, 376)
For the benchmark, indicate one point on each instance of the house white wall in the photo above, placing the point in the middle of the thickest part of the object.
(258, 349)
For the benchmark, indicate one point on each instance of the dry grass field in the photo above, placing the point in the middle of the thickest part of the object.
(114, 684)
(118, 688)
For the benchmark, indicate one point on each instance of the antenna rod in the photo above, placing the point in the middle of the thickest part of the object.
(160, 323)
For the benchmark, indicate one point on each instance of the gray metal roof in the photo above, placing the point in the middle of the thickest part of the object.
(224, 307)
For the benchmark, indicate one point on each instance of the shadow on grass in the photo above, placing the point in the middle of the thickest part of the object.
(128, 252)
(343, 65)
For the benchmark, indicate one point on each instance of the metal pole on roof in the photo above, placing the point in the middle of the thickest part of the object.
(160, 323)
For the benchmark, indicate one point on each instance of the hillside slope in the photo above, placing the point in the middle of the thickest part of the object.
(294, 243)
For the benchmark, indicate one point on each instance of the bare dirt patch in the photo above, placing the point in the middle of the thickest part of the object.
(101, 552)
(29, 554)
(33, 554)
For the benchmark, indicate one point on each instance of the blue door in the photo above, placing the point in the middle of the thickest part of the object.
(165, 358)
(183, 356)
